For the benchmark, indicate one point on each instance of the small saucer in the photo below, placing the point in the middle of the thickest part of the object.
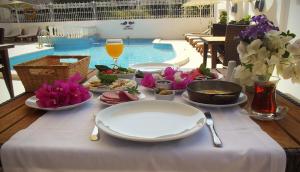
(280, 113)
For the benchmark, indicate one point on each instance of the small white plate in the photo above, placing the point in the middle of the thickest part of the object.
(242, 99)
(151, 67)
(153, 90)
(31, 102)
(220, 77)
(107, 88)
(150, 120)
(141, 96)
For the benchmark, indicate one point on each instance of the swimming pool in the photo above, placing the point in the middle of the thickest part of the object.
(136, 51)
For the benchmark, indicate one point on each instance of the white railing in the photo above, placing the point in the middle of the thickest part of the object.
(72, 32)
(107, 10)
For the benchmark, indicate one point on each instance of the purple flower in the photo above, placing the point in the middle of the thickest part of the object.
(259, 30)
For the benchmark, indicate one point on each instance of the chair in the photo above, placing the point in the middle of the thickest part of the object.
(4, 64)
(13, 34)
(231, 43)
(217, 30)
(1, 35)
(30, 33)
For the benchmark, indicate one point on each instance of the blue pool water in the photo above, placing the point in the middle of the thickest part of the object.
(135, 51)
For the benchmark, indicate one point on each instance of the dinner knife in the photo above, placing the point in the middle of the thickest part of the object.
(210, 124)
(95, 134)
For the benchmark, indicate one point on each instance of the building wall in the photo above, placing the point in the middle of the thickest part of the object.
(291, 13)
(167, 28)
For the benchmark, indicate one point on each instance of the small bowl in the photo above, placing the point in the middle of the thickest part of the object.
(213, 92)
(163, 84)
(165, 97)
(138, 80)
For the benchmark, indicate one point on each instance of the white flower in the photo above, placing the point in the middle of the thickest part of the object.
(274, 60)
(287, 71)
(294, 48)
(259, 68)
(262, 53)
(241, 48)
(177, 77)
(260, 57)
(157, 76)
(249, 51)
(243, 75)
(254, 46)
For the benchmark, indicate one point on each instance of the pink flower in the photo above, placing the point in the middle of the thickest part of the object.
(169, 73)
(62, 93)
(148, 80)
(182, 84)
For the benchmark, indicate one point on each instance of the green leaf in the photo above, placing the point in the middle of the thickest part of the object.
(204, 70)
(133, 90)
(107, 79)
(248, 66)
(102, 67)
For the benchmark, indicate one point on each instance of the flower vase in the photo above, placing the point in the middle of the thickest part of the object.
(264, 106)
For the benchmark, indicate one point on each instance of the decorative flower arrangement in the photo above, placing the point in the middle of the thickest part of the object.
(262, 48)
(62, 93)
(179, 79)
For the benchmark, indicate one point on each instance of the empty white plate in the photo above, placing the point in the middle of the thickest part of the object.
(151, 67)
(150, 121)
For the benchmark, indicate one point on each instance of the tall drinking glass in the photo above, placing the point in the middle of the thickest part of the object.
(114, 48)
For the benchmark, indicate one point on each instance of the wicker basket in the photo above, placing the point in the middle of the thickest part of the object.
(47, 69)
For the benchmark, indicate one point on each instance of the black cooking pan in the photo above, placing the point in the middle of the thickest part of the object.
(214, 92)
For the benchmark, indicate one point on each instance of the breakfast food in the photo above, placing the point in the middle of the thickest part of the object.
(164, 92)
(119, 84)
(118, 97)
(202, 73)
(213, 92)
(95, 83)
(115, 70)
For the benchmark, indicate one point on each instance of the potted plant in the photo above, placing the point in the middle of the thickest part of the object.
(223, 17)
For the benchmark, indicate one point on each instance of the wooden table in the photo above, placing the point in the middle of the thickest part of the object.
(214, 41)
(4, 59)
(15, 115)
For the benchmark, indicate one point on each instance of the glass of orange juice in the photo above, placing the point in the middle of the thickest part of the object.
(114, 48)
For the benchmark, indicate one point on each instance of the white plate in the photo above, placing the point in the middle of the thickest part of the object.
(106, 88)
(176, 91)
(150, 120)
(151, 67)
(242, 99)
(141, 96)
(220, 76)
(31, 102)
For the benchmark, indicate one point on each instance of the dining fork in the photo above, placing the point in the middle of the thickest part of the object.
(95, 133)
(210, 124)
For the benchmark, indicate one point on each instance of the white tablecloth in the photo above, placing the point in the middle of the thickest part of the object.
(59, 141)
